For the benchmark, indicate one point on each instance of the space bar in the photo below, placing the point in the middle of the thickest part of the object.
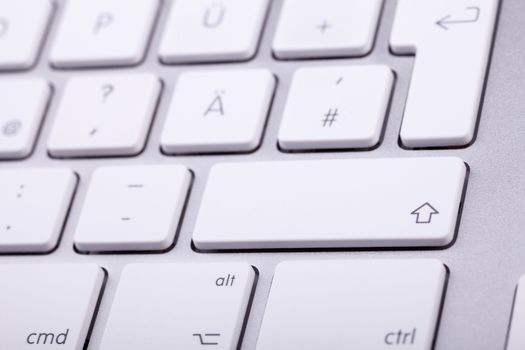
(358, 203)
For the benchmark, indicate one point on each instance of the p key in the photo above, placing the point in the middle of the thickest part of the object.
(96, 33)
(452, 41)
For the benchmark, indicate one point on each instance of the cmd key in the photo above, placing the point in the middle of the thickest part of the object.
(48, 306)
(354, 203)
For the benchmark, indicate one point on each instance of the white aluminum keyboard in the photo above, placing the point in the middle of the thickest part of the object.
(253, 174)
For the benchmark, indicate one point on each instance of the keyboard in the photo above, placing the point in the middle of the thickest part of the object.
(258, 174)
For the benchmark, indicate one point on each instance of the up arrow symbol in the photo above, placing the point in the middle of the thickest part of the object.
(424, 213)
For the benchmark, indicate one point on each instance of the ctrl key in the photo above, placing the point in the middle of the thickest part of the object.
(354, 304)
(48, 306)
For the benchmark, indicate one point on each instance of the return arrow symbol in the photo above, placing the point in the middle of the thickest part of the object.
(424, 213)
(445, 22)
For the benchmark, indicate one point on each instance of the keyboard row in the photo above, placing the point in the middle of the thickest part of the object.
(312, 305)
(328, 108)
(210, 112)
(102, 33)
(452, 43)
(359, 203)
(365, 304)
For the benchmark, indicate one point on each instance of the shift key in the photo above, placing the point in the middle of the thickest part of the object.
(347, 203)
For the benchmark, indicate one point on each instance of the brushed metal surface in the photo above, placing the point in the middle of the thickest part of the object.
(486, 260)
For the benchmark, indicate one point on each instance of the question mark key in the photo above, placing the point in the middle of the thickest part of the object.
(106, 91)
(92, 120)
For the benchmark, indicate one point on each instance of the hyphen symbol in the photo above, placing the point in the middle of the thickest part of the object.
(107, 89)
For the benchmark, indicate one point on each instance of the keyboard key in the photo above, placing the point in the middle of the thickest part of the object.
(326, 28)
(359, 304)
(97, 33)
(452, 41)
(33, 206)
(22, 108)
(132, 208)
(516, 337)
(22, 31)
(205, 31)
(214, 112)
(336, 107)
(104, 115)
(331, 204)
(48, 306)
(184, 306)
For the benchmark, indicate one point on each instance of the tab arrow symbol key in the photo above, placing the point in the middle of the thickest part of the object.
(424, 213)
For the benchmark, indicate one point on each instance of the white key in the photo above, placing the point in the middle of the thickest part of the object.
(326, 28)
(210, 30)
(104, 115)
(452, 42)
(215, 112)
(33, 206)
(359, 304)
(336, 107)
(23, 26)
(22, 108)
(329, 204)
(132, 208)
(516, 338)
(48, 306)
(185, 306)
(103, 33)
